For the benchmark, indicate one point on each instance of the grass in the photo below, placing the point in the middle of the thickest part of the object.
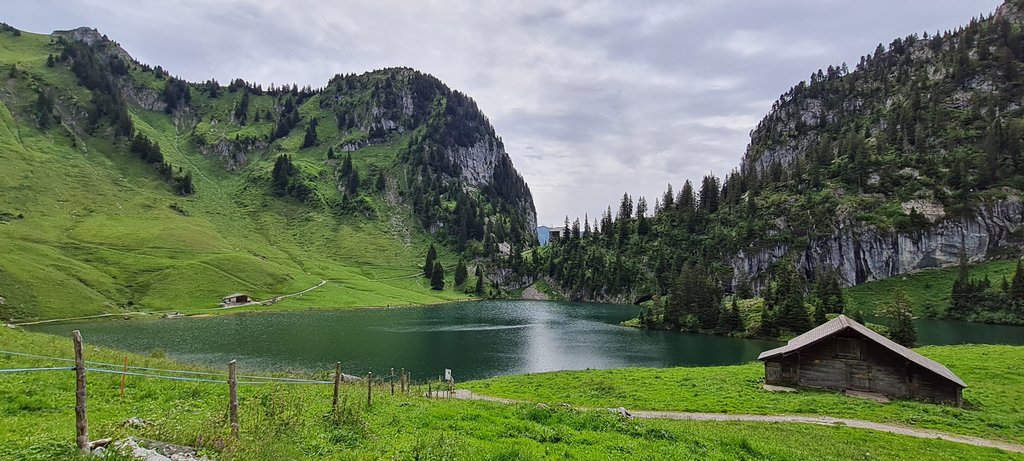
(993, 406)
(99, 224)
(295, 422)
(928, 290)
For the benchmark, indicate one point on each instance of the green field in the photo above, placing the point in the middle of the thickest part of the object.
(295, 421)
(88, 228)
(928, 290)
(993, 406)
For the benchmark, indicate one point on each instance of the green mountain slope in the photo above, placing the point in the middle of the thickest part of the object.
(87, 226)
(909, 160)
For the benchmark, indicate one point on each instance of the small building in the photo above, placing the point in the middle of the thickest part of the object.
(237, 298)
(844, 355)
(556, 233)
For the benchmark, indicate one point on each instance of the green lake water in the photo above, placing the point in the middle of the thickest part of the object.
(476, 339)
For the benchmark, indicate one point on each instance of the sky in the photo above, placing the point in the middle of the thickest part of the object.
(593, 99)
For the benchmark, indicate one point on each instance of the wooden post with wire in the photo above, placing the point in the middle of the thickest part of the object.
(233, 393)
(369, 389)
(403, 380)
(337, 383)
(81, 418)
(124, 375)
(392, 381)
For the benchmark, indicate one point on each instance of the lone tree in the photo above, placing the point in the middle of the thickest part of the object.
(461, 273)
(902, 329)
(437, 277)
(428, 265)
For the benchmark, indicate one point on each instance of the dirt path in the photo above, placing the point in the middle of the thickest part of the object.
(532, 293)
(275, 299)
(820, 420)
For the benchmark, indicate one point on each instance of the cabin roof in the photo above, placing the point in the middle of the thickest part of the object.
(236, 295)
(843, 322)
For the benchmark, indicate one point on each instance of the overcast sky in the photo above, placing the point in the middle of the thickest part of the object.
(592, 98)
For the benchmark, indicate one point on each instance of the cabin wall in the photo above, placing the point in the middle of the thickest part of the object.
(848, 361)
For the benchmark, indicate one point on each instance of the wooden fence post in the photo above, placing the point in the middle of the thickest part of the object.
(123, 376)
(337, 383)
(430, 389)
(392, 381)
(403, 380)
(369, 389)
(233, 407)
(81, 418)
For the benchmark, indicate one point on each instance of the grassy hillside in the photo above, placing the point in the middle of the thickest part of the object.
(86, 227)
(295, 422)
(928, 290)
(993, 406)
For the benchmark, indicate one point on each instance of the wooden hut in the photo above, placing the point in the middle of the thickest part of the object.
(237, 298)
(845, 355)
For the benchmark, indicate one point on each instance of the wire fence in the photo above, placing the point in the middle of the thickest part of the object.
(381, 382)
(376, 380)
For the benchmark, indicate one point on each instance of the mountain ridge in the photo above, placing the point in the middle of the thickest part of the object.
(132, 189)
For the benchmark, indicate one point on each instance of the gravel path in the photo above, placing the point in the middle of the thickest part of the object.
(820, 420)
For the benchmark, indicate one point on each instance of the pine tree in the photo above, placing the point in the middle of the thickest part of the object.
(437, 277)
(309, 140)
(242, 110)
(899, 310)
(960, 305)
(352, 185)
(1017, 286)
(479, 281)
(428, 265)
(346, 165)
(460, 273)
(330, 150)
(829, 292)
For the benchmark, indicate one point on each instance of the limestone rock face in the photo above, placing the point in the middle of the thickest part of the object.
(235, 154)
(862, 254)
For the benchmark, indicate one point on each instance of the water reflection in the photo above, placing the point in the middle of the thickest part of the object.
(477, 340)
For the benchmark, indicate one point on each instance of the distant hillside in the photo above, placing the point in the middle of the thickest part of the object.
(905, 160)
(126, 188)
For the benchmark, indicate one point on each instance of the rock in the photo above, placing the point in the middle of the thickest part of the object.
(99, 452)
(163, 451)
(135, 422)
(131, 447)
(541, 406)
(862, 253)
(621, 412)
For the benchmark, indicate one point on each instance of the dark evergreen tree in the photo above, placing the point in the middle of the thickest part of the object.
(828, 292)
(242, 109)
(428, 265)
(902, 329)
(479, 281)
(461, 273)
(437, 277)
(309, 140)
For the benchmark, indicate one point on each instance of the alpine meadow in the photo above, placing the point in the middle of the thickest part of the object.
(203, 262)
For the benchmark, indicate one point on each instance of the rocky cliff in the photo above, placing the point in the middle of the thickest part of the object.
(861, 253)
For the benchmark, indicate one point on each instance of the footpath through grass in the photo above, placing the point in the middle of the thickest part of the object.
(994, 402)
(295, 422)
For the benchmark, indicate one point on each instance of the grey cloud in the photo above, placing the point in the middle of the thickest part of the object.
(592, 98)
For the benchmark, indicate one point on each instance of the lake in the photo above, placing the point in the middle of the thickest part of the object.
(474, 339)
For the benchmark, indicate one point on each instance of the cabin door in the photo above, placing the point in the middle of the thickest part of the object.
(858, 376)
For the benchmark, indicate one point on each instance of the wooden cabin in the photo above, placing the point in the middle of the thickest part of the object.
(237, 298)
(844, 355)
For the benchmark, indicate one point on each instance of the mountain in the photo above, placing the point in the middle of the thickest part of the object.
(125, 188)
(911, 159)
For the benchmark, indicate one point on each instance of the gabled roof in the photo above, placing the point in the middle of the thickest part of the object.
(235, 295)
(843, 322)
